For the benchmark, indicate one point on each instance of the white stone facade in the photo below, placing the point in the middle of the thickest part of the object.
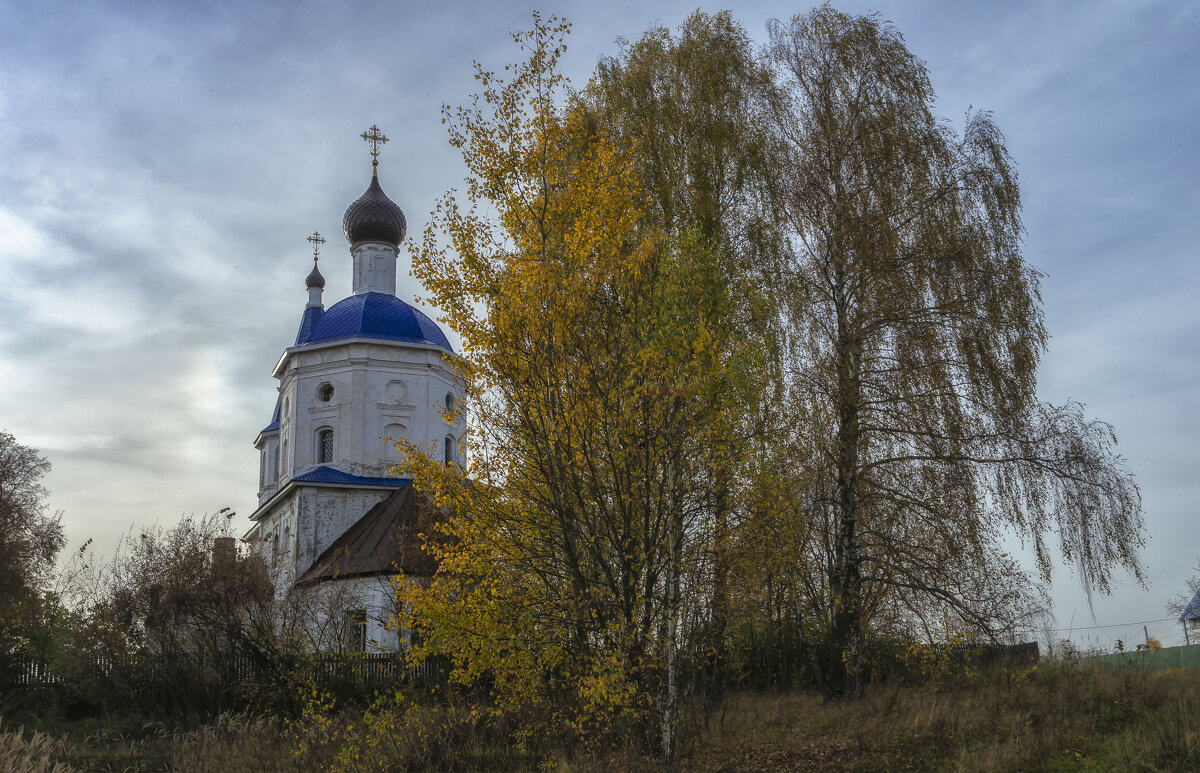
(375, 389)
(374, 267)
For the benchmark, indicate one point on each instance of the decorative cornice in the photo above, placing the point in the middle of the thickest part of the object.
(383, 342)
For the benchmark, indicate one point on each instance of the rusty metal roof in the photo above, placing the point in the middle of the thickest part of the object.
(387, 540)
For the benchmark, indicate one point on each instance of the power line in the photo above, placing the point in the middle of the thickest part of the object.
(1113, 625)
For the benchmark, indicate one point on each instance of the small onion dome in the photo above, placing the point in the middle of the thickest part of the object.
(314, 279)
(374, 217)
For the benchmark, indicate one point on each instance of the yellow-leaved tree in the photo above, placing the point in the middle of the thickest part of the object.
(572, 527)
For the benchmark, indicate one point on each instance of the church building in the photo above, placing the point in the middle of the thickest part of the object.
(365, 372)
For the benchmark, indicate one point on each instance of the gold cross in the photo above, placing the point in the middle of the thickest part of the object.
(317, 241)
(376, 138)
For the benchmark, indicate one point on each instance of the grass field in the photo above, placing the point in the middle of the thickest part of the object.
(1059, 717)
(1056, 718)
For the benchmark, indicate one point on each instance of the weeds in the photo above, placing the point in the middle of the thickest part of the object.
(1050, 717)
(1045, 718)
(32, 753)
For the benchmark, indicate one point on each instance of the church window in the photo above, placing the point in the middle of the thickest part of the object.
(356, 630)
(284, 458)
(274, 464)
(324, 446)
(449, 454)
(325, 392)
(450, 407)
(262, 469)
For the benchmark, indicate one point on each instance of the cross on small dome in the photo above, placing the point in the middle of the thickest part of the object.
(314, 279)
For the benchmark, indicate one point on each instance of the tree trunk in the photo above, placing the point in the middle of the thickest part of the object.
(846, 583)
(714, 694)
(671, 687)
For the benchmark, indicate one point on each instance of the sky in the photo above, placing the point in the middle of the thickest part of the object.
(162, 163)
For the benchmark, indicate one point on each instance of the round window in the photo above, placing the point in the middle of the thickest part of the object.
(325, 392)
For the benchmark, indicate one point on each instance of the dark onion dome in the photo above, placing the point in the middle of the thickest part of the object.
(374, 315)
(314, 279)
(374, 217)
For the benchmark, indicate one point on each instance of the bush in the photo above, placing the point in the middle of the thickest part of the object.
(170, 624)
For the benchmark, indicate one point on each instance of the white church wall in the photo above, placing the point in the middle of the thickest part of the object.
(376, 385)
(326, 513)
(276, 541)
(269, 467)
(302, 524)
(331, 605)
(374, 267)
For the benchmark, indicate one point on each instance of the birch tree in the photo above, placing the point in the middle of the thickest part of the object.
(692, 108)
(916, 331)
(587, 389)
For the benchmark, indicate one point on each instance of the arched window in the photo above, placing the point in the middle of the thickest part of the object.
(325, 392)
(449, 454)
(283, 458)
(450, 406)
(274, 464)
(324, 445)
(262, 469)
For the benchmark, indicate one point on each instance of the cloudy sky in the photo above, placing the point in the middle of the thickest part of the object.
(162, 163)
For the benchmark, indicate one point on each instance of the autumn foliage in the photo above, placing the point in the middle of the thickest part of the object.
(750, 356)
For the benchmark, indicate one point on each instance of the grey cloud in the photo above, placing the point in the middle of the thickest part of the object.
(175, 157)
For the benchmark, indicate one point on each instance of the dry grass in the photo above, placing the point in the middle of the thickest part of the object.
(33, 752)
(230, 743)
(1053, 718)
(1057, 718)
(234, 743)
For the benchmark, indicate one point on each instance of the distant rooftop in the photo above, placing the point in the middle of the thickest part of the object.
(1192, 612)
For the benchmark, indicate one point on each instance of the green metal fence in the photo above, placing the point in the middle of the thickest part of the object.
(1154, 660)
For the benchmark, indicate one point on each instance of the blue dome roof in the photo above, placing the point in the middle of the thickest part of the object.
(373, 315)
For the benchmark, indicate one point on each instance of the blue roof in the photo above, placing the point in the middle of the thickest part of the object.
(308, 322)
(330, 475)
(274, 425)
(1193, 609)
(371, 315)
